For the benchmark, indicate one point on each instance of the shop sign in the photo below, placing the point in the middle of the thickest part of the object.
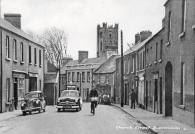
(155, 76)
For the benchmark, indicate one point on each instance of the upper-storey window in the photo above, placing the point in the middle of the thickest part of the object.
(78, 76)
(110, 35)
(22, 51)
(7, 47)
(30, 55)
(15, 50)
(169, 26)
(101, 46)
(183, 15)
(161, 44)
(133, 64)
(39, 57)
(35, 56)
(100, 34)
(156, 52)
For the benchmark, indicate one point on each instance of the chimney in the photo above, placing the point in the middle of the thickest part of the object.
(82, 55)
(137, 38)
(14, 19)
(65, 60)
(145, 34)
(163, 22)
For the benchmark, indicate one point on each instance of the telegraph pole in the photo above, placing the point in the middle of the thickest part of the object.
(122, 86)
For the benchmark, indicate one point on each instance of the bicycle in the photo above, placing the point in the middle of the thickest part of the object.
(93, 103)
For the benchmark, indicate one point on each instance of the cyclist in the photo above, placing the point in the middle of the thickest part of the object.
(93, 93)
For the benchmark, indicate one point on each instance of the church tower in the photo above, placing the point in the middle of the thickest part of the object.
(107, 40)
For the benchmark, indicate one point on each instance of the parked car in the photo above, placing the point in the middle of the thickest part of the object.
(69, 99)
(106, 99)
(33, 101)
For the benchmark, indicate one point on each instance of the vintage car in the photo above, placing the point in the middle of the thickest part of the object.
(106, 99)
(33, 101)
(69, 99)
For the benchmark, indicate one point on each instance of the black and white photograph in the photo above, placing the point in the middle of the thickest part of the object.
(97, 66)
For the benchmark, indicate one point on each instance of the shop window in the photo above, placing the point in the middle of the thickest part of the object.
(20, 87)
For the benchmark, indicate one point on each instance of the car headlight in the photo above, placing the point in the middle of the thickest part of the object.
(76, 100)
(58, 101)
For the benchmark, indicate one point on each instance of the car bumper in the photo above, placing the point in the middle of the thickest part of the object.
(67, 107)
(31, 109)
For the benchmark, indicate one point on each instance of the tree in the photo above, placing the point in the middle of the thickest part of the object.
(55, 42)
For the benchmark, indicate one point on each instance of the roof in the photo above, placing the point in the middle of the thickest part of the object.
(99, 60)
(137, 46)
(7, 25)
(50, 78)
(109, 66)
(72, 62)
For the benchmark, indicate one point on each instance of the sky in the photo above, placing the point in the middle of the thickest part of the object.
(79, 19)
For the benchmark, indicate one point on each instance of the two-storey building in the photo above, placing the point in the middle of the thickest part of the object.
(21, 62)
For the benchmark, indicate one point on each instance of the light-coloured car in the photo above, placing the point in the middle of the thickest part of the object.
(69, 99)
(33, 101)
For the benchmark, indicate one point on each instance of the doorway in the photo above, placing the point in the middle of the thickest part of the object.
(156, 96)
(15, 93)
(168, 89)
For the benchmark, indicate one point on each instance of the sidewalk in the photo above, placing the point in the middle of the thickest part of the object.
(158, 123)
(15, 113)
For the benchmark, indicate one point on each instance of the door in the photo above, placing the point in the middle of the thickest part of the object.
(156, 96)
(146, 95)
(161, 95)
(168, 89)
(15, 93)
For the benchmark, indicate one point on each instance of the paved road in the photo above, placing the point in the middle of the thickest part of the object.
(107, 120)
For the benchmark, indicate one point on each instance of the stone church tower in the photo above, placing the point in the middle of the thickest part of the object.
(107, 40)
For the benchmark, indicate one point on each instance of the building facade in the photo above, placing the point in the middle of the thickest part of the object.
(80, 73)
(154, 73)
(179, 60)
(104, 77)
(21, 62)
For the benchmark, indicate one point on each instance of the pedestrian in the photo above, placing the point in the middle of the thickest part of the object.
(133, 97)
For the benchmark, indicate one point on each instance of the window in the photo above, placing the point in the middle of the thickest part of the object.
(20, 87)
(182, 83)
(140, 67)
(15, 50)
(101, 47)
(8, 89)
(133, 65)
(22, 51)
(169, 26)
(100, 34)
(156, 52)
(7, 47)
(161, 44)
(88, 76)
(78, 76)
(73, 78)
(40, 85)
(39, 57)
(63, 81)
(83, 76)
(143, 65)
(68, 76)
(30, 54)
(124, 64)
(183, 15)
(35, 56)
(110, 35)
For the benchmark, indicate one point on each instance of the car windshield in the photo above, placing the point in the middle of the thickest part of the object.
(69, 94)
(29, 96)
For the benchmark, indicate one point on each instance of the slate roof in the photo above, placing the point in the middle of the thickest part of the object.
(7, 25)
(99, 60)
(137, 46)
(108, 66)
(50, 78)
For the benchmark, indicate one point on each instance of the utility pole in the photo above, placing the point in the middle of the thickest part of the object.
(122, 86)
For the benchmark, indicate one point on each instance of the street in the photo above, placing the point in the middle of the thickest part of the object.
(108, 119)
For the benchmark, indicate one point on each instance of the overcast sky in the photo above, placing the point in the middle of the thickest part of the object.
(79, 18)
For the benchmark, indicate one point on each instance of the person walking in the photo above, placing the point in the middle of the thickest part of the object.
(133, 97)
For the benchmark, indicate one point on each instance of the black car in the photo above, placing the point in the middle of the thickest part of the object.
(33, 101)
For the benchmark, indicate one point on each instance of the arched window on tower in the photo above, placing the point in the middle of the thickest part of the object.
(101, 48)
(110, 43)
